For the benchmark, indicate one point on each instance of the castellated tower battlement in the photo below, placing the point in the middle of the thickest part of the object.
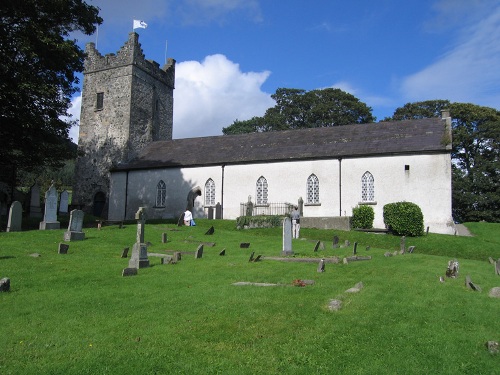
(127, 103)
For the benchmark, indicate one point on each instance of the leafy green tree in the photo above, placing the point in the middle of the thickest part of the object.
(38, 66)
(297, 109)
(475, 156)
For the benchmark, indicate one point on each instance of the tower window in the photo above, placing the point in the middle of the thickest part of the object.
(99, 104)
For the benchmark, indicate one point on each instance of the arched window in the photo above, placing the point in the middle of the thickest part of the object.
(367, 187)
(210, 192)
(261, 191)
(312, 189)
(161, 194)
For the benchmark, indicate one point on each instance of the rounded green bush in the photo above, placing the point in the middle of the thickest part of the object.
(362, 217)
(404, 219)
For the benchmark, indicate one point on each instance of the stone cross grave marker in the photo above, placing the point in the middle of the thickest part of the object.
(139, 257)
(287, 237)
(63, 202)
(140, 216)
(35, 210)
(15, 217)
(74, 232)
(50, 216)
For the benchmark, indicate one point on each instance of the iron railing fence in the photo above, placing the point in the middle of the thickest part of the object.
(270, 209)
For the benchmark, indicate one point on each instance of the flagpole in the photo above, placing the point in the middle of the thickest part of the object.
(166, 42)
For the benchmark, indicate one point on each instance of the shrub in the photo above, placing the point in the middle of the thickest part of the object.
(404, 219)
(362, 217)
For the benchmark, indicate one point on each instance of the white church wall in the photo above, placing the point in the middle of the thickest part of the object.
(426, 183)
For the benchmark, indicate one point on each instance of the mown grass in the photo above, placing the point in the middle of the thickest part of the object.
(76, 314)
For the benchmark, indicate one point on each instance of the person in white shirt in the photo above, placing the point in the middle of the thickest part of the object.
(188, 216)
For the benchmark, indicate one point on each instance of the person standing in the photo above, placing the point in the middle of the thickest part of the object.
(295, 216)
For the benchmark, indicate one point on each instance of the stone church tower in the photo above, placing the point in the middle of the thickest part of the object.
(127, 102)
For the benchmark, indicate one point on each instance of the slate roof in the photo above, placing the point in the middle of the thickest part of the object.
(374, 139)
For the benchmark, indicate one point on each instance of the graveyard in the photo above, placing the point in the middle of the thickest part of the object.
(214, 299)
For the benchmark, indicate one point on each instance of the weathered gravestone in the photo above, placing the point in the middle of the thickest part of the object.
(139, 258)
(125, 252)
(287, 237)
(199, 252)
(321, 266)
(347, 243)
(210, 231)
(402, 245)
(355, 248)
(222, 252)
(251, 256)
(164, 238)
(74, 232)
(130, 271)
(497, 267)
(63, 202)
(140, 216)
(35, 210)
(177, 256)
(335, 242)
(244, 245)
(63, 248)
(316, 247)
(210, 214)
(50, 216)
(5, 284)
(258, 258)
(452, 270)
(411, 249)
(218, 211)
(15, 217)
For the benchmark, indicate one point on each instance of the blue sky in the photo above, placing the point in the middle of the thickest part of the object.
(233, 54)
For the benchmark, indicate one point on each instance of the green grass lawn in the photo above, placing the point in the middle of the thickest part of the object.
(76, 314)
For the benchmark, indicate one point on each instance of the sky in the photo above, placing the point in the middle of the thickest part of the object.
(232, 55)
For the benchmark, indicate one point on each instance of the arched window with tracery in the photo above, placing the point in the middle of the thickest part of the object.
(367, 187)
(161, 194)
(210, 192)
(261, 191)
(312, 189)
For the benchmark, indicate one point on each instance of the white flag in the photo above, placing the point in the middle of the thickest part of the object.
(140, 24)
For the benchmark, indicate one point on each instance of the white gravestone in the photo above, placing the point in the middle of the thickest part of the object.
(15, 217)
(287, 237)
(63, 203)
(50, 217)
(35, 210)
(74, 232)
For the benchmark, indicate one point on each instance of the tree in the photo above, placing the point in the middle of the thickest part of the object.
(38, 66)
(475, 156)
(297, 108)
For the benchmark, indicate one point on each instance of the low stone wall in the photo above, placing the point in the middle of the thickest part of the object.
(336, 222)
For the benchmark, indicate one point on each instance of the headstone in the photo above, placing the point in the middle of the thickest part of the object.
(251, 256)
(199, 252)
(287, 237)
(321, 266)
(139, 258)
(347, 243)
(411, 249)
(334, 305)
(493, 347)
(140, 216)
(35, 210)
(125, 252)
(316, 247)
(177, 256)
(63, 202)
(452, 270)
(15, 217)
(495, 292)
(50, 216)
(74, 232)
(5, 284)
(491, 260)
(63, 248)
(218, 211)
(223, 252)
(130, 271)
(210, 231)
(321, 245)
(469, 284)
(402, 244)
(244, 245)
(167, 259)
(258, 258)
(335, 242)
(354, 250)
(367, 248)
(164, 238)
(387, 254)
(497, 267)
(210, 214)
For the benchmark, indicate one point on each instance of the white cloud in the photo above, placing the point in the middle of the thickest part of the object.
(212, 94)
(209, 96)
(74, 111)
(468, 72)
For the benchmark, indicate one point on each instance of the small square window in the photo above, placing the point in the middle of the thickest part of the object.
(407, 167)
(99, 100)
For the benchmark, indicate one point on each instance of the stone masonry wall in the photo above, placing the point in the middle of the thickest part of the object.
(137, 109)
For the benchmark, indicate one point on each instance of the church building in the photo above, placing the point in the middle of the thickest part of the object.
(326, 171)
